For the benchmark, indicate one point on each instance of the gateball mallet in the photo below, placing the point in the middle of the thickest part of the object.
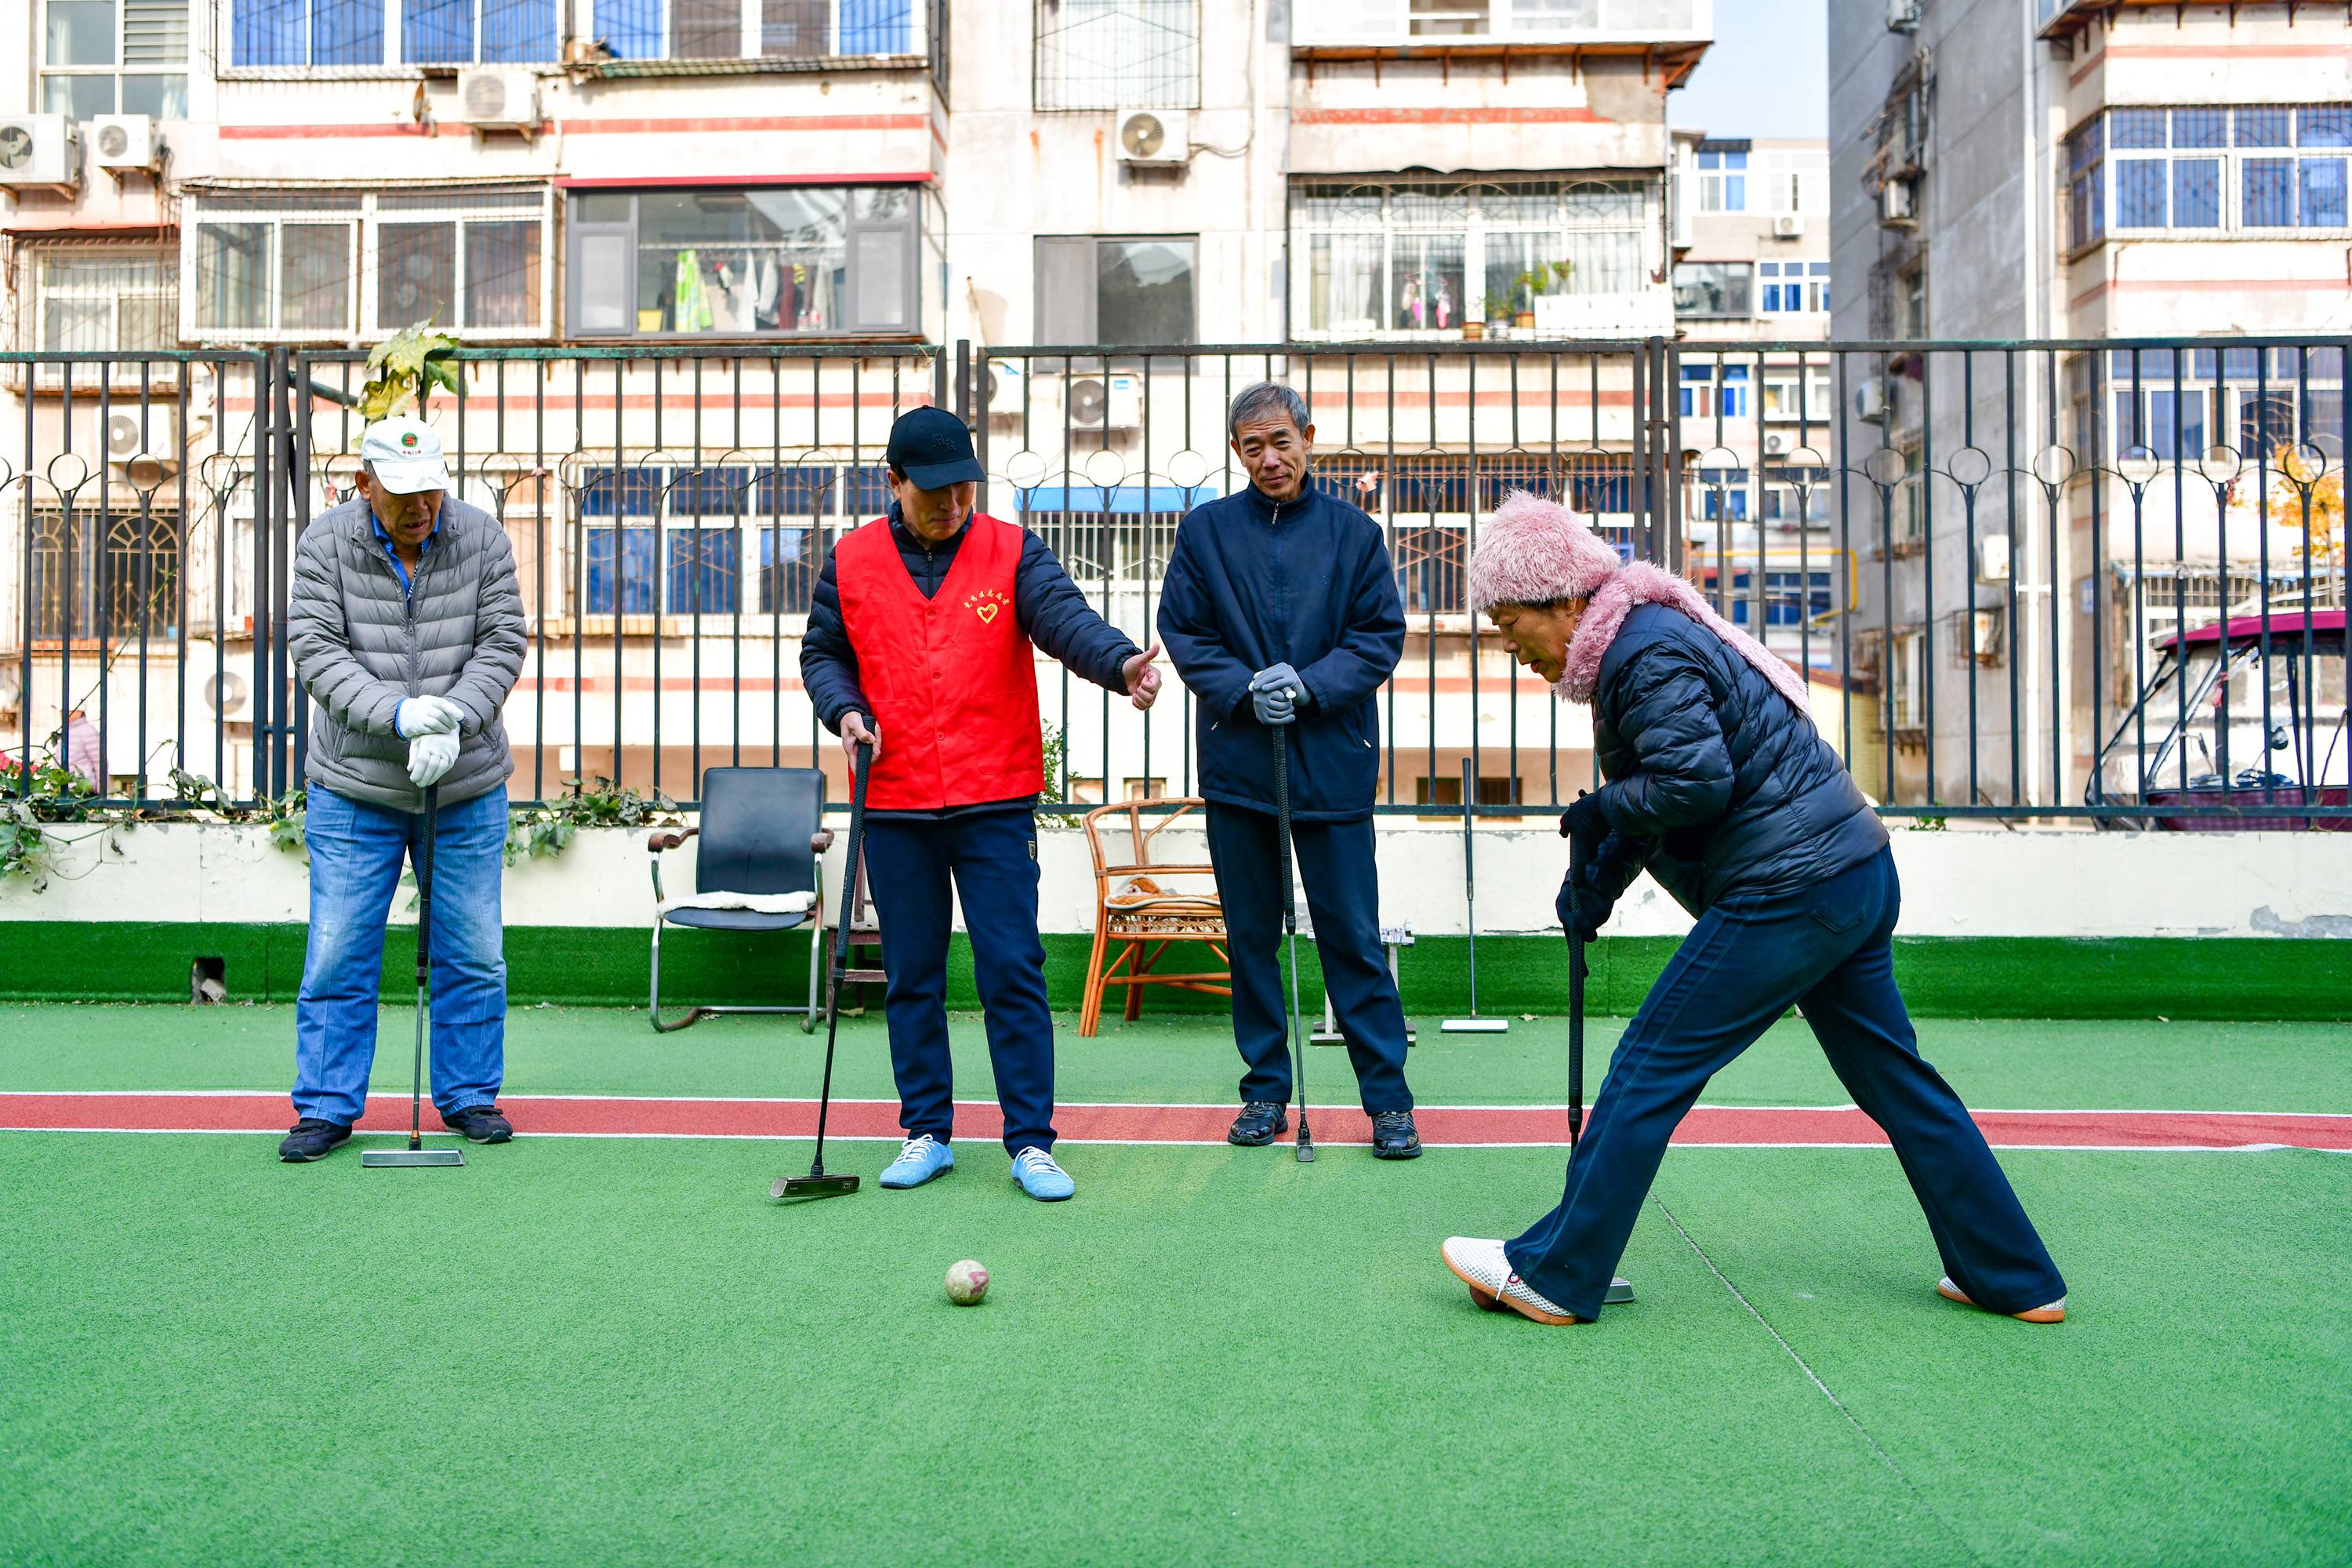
(816, 1184)
(1290, 930)
(1473, 1025)
(416, 1155)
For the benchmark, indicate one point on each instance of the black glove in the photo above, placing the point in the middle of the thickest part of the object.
(1585, 823)
(1277, 694)
(1582, 901)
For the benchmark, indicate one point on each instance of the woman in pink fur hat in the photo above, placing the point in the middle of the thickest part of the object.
(1720, 787)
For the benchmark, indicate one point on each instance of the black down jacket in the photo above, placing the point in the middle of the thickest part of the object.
(1722, 785)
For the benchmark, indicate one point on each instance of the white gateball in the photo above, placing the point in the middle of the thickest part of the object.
(967, 1283)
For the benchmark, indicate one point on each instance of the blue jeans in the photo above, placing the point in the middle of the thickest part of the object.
(992, 857)
(356, 854)
(1828, 947)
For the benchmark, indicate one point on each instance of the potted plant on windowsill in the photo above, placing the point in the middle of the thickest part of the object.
(1548, 278)
(1498, 314)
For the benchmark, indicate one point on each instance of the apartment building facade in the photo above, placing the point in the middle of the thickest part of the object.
(718, 234)
(2039, 524)
(1752, 289)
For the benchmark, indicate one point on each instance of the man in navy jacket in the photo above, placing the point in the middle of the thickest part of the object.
(1280, 609)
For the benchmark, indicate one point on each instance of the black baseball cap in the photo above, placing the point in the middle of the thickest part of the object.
(931, 447)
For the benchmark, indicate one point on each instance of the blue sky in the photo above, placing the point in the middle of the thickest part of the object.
(1766, 74)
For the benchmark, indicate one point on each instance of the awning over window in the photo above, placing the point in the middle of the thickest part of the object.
(1115, 498)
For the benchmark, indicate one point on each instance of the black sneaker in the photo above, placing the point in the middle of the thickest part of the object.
(311, 1139)
(1394, 1137)
(479, 1124)
(1260, 1120)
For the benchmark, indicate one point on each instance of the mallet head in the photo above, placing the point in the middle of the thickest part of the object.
(813, 1186)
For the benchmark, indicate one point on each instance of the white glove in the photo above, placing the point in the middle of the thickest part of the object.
(426, 716)
(430, 757)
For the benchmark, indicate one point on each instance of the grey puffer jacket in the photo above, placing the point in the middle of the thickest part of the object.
(1720, 785)
(361, 644)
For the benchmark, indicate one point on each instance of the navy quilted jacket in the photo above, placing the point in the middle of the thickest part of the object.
(1715, 782)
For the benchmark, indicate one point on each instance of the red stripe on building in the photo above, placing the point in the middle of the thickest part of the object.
(733, 182)
(1442, 1126)
(739, 122)
(1445, 117)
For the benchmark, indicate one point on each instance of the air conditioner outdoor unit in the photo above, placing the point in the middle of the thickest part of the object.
(499, 99)
(1870, 400)
(1902, 16)
(1004, 383)
(1897, 203)
(1113, 402)
(226, 693)
(125, 143)
(1154, 136)
(1993, 558)
(1788, 226)
(154, 435)
(1013, 387)
(1775, 445)
(39, 150)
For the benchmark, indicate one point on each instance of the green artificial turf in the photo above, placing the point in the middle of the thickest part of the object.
(2017, 1065)
(583, 1352)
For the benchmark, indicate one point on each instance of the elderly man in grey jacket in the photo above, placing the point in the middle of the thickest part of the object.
(406, 629)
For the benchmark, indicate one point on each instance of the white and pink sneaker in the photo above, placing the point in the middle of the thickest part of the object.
(1480, 1264)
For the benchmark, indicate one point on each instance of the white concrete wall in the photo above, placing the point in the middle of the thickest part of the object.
(1956, 883)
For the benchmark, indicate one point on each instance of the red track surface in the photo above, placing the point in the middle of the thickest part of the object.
(1444, 1126)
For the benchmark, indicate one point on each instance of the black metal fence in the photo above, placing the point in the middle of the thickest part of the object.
(2100, 580)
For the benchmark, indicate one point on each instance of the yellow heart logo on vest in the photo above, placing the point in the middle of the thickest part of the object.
(987, 613)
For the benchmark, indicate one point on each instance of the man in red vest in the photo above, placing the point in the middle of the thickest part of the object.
(918, 644)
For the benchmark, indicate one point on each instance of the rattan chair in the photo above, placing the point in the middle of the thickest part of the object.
(1140, 913)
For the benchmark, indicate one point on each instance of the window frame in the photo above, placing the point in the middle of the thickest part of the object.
(2097, 166)
(1176, 89)
(1094, 244)
(1614, 187)
(532, 202)
(577, 231)
(1723, 180)
(93, 535)
(1747, 312)
(38, 291)
(391, 58)
(761, 584)
(120, 66)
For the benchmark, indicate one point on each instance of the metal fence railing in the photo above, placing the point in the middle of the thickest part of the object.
(2093, 580)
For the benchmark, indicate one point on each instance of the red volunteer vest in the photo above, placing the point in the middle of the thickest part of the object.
(952, 679)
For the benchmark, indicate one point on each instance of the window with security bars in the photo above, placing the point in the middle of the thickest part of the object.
(330, 33)
(1426, 501)
(1120, 550)
(114, 57)
(108, 577)
(686, 541)
(1117, 54)
(2208, 170)
(309, 265)
(2176, 406)
(89, 298)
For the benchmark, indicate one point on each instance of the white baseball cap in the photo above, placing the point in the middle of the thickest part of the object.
(405, 455)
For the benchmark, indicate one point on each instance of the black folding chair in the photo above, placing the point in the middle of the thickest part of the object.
(763, 833)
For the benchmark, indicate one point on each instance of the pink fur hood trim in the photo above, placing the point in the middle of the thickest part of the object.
(1643, 583)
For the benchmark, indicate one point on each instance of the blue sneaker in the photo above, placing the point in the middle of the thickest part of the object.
(919, 1159)
(1040, 1177)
